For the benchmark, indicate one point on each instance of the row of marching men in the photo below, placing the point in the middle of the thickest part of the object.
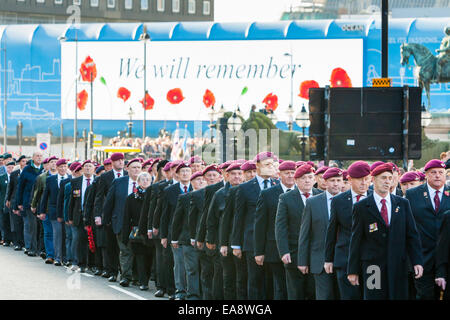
(261, 229)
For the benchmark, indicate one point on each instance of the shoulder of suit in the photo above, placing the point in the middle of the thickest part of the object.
(417, 189)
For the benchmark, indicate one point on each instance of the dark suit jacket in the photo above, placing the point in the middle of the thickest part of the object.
(287, 223)
(215, 212)
(3, 187)
(157, 211)
(132, 212)
(104, 184)
(385, 246)
(75, 206)
(60, 198)
(180, 225)
(339, 229)
(50, 197)
(169, 202)
(313, 231)
(264, 236)
(11, 190)
(208, 195)
(226, 221)
(443, 249)
(88, 207)
(113, 209)
(195, 211)
(25, 185)
(143, 217)
(428, 222)
(244, 219)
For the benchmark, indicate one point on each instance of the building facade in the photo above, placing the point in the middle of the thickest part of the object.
(59, 11)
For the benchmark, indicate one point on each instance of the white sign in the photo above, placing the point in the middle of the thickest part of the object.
(223, 67)
(43, 143)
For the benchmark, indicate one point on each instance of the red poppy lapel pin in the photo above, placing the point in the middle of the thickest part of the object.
(425, 194)
(447, 193)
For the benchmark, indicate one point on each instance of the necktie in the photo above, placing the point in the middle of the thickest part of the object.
(134, 187)
(437, 202)
(88, 182)
(185, 189)
(287, 190)
(266, 183)
(118, 175)
(306, 194)
(384, 212)
(358, 197)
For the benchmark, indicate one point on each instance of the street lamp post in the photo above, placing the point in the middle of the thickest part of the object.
(234, 123)
(145, 38)
(271, 115)
(130, 124)
(212, 115)
(302, 120)
(290, 114)
(425, 117)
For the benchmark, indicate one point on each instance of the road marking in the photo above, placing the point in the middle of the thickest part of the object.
(87, 275)
(127, 292)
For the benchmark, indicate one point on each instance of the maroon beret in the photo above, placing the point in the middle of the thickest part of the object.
(117, 156)
(332, 172)
(376, 164)
(421, 175)
(86, 161)
(287, 165)
(78, 168)
(147, 162)
(52, 158)
(196, 175)
(195, 159)
(167, 166)
(249, 165)
(45, 161)
(299, 163)
(312, 164)
(280, 161)
(155, 161)
(175, 163)
(134, 160)
(304, 169)
(73, 166)
(435, 163)
(359, 169)
(211, 167)
(225, 165)
(322, 169)
(240, 161)
(233, 166)
(181, 166)
(409, 176)
(385, 167)
(107, 161)
(263, 156)
(345, 175)
(61, 162)
(394, 167)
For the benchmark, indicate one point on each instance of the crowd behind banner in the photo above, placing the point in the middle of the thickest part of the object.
(260, 229)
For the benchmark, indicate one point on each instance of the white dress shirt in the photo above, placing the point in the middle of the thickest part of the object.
(261, 182)
(116, 172)
(61, 178)
(285, 188)
(432, 193)
(378, 199)
(354, 195)
(329, 198)
(130, 185)
(182, 187)
(303, 196)
(84, 187)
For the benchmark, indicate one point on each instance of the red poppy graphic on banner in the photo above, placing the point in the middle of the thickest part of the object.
(88, 70)
(175, 96)
(149, 102)
(82, 100)
(271, 102)
(208, 99)
(305, 86)
(123, 93)
(340, 79)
